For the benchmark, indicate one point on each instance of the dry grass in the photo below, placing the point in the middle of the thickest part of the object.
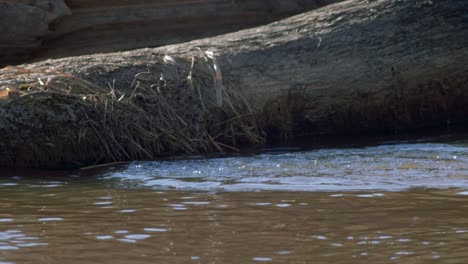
(178, 107)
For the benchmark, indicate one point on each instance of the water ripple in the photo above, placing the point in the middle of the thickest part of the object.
(385, 167)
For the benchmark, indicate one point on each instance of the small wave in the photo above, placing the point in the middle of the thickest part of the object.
(385, 167)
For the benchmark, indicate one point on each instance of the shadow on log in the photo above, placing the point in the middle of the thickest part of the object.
(349, 68)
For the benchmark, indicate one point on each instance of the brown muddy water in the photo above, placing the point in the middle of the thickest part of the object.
(391, 203)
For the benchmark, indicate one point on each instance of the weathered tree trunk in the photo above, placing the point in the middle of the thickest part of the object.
(37, 29)
(352, 67)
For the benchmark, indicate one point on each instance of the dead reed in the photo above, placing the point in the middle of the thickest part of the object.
(178, 106)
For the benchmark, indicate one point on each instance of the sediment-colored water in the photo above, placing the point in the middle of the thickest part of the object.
(391, 203)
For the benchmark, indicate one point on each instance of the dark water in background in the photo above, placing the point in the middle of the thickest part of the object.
(401, 203)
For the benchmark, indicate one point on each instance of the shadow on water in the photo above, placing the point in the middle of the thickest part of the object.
(384, 164)
(426, 163)
(435, 135)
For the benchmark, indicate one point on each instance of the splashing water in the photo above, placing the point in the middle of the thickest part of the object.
(385, 167)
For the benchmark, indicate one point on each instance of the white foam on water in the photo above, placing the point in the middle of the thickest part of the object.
(378, 168)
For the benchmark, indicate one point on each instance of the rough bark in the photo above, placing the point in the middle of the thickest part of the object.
(352, 67)
(35, 29)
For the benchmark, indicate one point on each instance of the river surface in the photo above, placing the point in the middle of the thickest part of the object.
(404, 202)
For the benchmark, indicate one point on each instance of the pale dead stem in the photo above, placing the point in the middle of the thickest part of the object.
(178, 107)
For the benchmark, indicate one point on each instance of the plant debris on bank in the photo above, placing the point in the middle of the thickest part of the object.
(177, 107)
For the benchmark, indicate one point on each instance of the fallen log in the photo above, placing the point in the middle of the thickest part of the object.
(352, 67)
(37, 29)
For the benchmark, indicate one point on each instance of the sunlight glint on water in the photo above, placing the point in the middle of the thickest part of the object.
(403, 203)
(387, 167)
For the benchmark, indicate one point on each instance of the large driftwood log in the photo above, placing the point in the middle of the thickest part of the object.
(35, 29)
(352, 67)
